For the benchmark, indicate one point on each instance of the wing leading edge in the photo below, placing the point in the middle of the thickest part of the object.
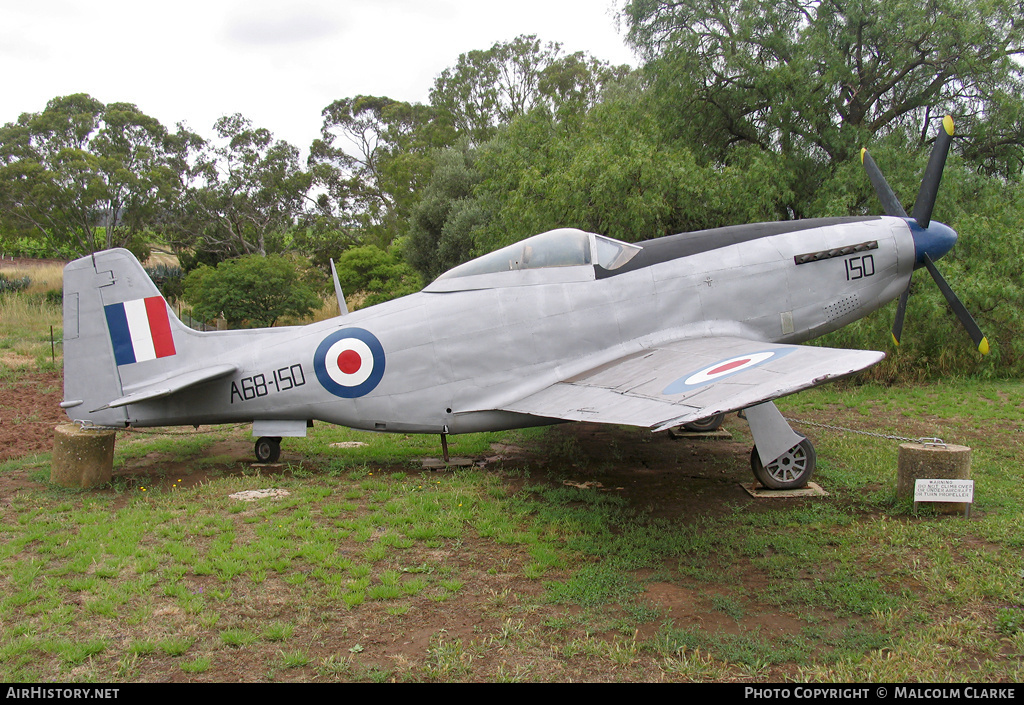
(690, 380)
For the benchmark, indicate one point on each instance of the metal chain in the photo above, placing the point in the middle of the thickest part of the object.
(90, 426)
(922, 441)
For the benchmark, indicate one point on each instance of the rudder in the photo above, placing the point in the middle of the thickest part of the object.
(118, 332)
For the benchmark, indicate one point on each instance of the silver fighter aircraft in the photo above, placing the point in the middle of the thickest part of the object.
(564, 326)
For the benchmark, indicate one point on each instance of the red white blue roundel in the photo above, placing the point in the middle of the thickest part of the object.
(349, 363)
(723, 368)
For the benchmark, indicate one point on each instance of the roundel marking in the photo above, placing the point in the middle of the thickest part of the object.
(349, 362)
(723, 368)
(728, 366)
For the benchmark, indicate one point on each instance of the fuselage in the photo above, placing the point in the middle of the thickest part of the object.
(466, 345)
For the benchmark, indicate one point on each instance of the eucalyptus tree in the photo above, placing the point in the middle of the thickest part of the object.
(81, 176)
(240, 194)
(372, 158)
(490, 87)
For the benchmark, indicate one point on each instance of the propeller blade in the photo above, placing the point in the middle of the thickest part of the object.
(958, 308)
(901, 312)
(890, 204)
(933, 174)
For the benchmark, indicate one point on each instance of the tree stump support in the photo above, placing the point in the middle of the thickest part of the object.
(82, 458)
(932, 461)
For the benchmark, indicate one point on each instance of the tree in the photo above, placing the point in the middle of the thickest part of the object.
(239, 195)
(614, 173)
(371, 161)
(817, 78)
(442, 226)
(319, 240)
(375, 275)
(251, 291)
(488, 88)
(81, 176)
(985, 269)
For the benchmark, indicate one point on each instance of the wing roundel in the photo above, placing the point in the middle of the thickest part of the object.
(689, 380)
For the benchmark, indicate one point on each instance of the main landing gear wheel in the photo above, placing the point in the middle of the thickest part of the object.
(268, 449)
(711, 423)
(791, 471)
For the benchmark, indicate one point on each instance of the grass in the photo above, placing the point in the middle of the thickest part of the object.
(371, 569)
(170, 578)
(43, 277)
(25, 325)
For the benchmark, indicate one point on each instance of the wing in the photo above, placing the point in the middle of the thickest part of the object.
(690, 380)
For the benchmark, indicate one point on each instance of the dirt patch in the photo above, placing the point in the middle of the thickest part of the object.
(672, 478)
(29, 409)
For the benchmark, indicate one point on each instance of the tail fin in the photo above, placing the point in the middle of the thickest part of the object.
(118, 334)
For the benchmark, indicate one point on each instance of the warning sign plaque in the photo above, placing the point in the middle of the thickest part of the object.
(937, 490)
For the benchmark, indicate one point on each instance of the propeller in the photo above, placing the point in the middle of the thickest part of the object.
(931, 240)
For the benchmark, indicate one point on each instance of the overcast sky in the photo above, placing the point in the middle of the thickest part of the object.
(277, 63)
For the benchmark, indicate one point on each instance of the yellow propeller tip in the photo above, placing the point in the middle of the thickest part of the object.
(895, 341)
(983, 347)
(947, 125)
(863, 151)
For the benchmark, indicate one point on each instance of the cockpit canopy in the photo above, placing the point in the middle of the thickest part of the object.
(564, 247)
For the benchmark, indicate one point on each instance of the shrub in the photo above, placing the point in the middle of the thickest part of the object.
(251, 291)
(169, 279)
(16, 284)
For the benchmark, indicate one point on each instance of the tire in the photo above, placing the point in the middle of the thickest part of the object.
(268, 449)
(791, 471)
(711, 423)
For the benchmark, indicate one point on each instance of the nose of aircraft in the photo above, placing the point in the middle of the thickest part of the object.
(935, 240)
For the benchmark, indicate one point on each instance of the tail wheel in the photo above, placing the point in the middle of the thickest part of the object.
(268, 449)
(792, 470)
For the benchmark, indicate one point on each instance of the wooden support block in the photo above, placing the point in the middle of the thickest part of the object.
(932, 462)
(81, 458)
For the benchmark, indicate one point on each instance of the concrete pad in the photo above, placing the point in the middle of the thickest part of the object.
(440, 464)
(761, 492)
(254, 495)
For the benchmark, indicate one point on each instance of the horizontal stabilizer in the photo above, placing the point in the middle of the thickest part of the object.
(172, 385)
